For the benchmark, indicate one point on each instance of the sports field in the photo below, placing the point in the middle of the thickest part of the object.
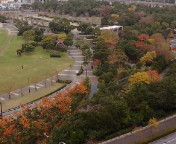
(36, 66)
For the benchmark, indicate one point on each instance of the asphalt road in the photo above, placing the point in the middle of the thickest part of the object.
(145, 3)
(169, 139)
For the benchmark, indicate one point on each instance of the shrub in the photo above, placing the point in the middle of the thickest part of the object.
(27, 47)
(33, 43)
(80, 71)
(55, 55)
(64, 81)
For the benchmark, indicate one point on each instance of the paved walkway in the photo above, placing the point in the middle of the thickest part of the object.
(12, 30)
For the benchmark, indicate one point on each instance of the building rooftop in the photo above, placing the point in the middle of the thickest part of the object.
(111, 27)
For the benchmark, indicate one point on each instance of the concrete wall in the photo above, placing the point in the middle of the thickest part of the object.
(143, 133)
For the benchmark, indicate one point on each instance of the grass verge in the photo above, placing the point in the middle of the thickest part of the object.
(24, 99)
(157, 136)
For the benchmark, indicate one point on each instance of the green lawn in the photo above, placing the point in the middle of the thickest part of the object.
(37, 65)
(14, 102)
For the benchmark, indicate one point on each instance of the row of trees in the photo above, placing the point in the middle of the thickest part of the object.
(74, 7)
(35, 37)
(34, 124)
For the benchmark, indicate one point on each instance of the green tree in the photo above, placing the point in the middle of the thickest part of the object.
(27, 47)
(29, 35)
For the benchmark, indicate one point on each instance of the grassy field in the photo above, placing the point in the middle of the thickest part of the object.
(37, 65)
(14, 102)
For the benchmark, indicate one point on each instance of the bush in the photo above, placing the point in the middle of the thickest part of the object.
(33, 43)
(80, 71)
(139, 65)
(27, 47)
(55, 55)
(19, 52)
(62, 49)
(124, 74)
(64, 81)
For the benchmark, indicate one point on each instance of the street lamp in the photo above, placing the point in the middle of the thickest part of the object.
(57, 76)
(86, 72)
(29, 86)
(1, 110)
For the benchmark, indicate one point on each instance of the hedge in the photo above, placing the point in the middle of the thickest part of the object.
(55, 55)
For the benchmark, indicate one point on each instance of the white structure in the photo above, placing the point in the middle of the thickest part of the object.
(113, 28)
(1, 25)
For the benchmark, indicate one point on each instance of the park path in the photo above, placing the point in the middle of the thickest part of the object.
(12, 30)
(68, 74)
(4, 47)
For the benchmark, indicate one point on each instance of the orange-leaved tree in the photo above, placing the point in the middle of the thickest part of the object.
(24, 121)
(45, 103)
(154, 76)
(79, 88)
(63, 102)
(40, 126)
(143, 37)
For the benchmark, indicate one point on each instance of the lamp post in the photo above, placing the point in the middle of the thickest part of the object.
(1, 110)
(57, 76)
(29, 86)
(86, 72)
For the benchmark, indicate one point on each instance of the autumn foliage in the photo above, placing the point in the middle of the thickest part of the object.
(154, 76)
(78, 89)
(145, 77)
(143, 37)
(148, 57)
(110, 37)
(95, 62)
(155, 42)
(33, 122)
(140, 77)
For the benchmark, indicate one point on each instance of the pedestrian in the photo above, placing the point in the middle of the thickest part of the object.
(92, 67)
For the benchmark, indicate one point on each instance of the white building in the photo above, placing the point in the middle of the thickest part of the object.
(114, 28)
